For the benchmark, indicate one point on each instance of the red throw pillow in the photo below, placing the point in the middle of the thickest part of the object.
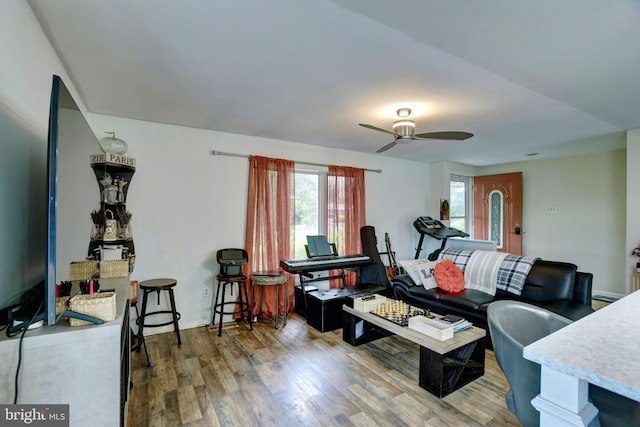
(449, 277)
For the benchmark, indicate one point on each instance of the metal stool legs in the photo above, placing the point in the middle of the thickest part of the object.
(174, 314)
(140, 322)
(215, 308)
(285, 299)
(244, 303)
(158, 285)
(141, 342)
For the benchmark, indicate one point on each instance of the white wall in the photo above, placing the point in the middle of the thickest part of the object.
(27, 63)
(633, 204)
(589, 227)
(187, 204)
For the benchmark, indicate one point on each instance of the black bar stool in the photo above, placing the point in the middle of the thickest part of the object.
(231, 262)
(157, 285)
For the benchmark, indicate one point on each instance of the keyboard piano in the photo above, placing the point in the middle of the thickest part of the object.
(304, 268)
(308, 265)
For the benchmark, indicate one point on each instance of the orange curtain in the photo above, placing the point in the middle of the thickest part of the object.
(270, 218)
(345, 213)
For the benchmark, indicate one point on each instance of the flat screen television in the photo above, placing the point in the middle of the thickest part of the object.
(72, 190)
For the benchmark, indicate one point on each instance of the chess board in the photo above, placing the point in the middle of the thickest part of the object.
(398, 312)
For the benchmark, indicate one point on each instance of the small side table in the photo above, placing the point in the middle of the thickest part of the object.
(277, 279)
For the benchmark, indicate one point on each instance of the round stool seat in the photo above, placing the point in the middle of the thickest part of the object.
(272, 278)
(235, 278)
(158, 284)
(268, 280)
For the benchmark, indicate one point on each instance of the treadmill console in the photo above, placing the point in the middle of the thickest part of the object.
(425, 225)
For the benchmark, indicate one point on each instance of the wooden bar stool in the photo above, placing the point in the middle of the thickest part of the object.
(277, 279)
(158, 285)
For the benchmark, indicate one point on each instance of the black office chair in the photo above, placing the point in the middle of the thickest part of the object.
(232, 261)
(513, 326)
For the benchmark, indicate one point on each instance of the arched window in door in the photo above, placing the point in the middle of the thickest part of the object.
(496, 216)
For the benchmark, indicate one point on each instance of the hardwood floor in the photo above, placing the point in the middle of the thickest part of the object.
(297, 376)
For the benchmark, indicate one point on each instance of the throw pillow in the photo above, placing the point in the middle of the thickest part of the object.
(418, 270)
(449, 277)
(425, 271)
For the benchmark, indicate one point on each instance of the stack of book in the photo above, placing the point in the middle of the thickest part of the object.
(458, 323)
(431, 327)
(368, 302)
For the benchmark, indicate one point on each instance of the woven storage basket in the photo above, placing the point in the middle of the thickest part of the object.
(61, 304)
(114, 268)
(82, 270)
(100, 305)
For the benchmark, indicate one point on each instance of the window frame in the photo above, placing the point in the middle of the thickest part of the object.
(468, 201)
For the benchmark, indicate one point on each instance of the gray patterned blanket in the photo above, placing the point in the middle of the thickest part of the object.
(512, 270)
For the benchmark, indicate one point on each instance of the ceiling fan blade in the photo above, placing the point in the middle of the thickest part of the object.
(379, 129)
(386, 147)
(451, 135)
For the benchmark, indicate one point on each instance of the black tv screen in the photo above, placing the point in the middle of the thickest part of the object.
(72, 190)
(52, 170)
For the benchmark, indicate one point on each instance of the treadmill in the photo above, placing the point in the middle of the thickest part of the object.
(427, 226)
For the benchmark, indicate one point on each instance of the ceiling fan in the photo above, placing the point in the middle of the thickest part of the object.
(403, 130)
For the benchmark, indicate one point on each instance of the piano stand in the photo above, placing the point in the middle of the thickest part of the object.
(304, 268)
(306, 278)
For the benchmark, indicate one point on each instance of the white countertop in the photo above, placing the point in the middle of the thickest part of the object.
(80, 366)
(602, 348)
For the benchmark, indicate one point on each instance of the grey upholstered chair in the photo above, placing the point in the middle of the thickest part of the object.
(514, 325)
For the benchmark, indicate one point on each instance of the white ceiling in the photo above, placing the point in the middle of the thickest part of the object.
(541, 76)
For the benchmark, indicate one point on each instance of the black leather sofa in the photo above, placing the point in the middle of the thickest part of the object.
(555, 286)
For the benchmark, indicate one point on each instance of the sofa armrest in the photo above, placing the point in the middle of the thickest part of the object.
(403, 280)
(582, 288)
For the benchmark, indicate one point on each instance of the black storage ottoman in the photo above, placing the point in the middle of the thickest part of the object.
(325, 307)
(299, 305)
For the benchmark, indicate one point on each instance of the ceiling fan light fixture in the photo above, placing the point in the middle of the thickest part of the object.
(399, 123)
(403, 112)
(404, 127)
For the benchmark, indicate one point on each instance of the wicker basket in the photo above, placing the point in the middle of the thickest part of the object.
(82, 270)
(61, 304)
(100, 305)
(114, 268)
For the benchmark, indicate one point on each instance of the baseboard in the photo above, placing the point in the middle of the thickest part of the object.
(606, 296)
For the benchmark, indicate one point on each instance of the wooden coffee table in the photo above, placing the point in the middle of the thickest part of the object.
(445, 366)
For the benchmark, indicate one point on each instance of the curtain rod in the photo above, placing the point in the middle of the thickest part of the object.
(246, 156)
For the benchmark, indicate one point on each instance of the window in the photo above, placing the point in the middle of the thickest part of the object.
(329, 203)
(496, 216)
(460, 204)
(310, 191)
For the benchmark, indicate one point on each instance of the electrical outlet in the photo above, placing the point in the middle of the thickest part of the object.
(205, 291)
(551, 209)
